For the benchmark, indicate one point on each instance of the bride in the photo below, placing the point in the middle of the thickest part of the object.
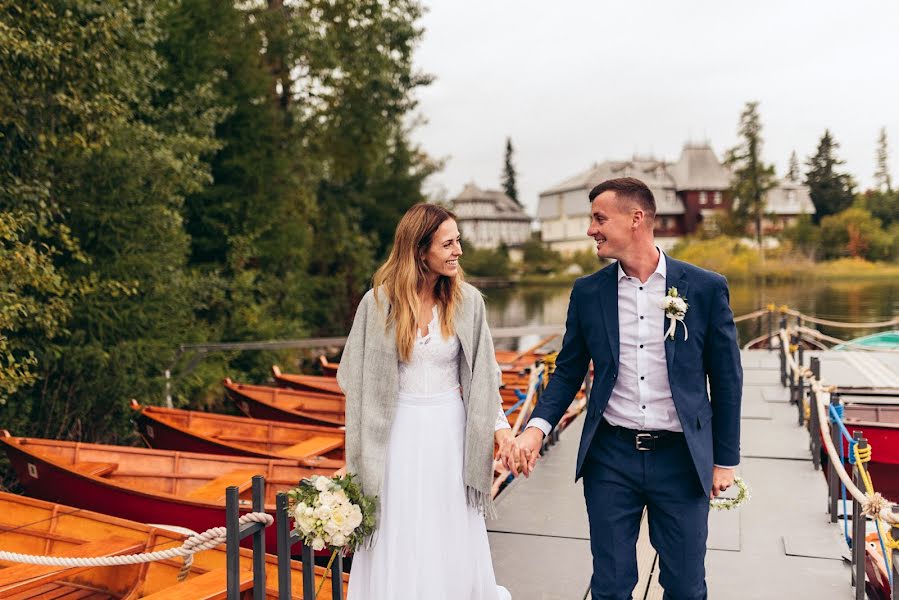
(422, 414)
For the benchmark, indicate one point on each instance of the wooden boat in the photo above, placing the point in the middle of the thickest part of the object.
(320, 384)
(30, 526)
(150, 486)
(280, 404)
(879, 424)
(515, 376)
(195, 431)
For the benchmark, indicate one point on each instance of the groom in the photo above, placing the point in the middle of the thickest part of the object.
(662, 430)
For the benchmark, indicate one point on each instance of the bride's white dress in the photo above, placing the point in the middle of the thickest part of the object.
(429, 543)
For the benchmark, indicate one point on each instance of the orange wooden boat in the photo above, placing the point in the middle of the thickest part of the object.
(280, 404)
(30, 526)
(321, 384)
(150, 486)
(195, 431)
(512, 376)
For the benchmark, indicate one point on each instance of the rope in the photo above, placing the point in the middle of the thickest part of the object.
(204, 541)
(752, 315)
(844, 324)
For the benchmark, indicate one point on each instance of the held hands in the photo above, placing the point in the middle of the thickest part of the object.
(722, 478)
(519, 454)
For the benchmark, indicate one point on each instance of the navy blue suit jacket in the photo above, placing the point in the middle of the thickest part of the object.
(709, 412)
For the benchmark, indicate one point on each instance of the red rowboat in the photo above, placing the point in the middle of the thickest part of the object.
(195, 431)
(30, 526)
(279, 404)
(879, 424)
(149, 486)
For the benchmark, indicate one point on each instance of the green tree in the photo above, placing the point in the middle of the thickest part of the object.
(752, 178)
(487, 262)
(538, 258)
(855, 233)
(793, 173)
(509, 176)
(831, 191)
(804, 235)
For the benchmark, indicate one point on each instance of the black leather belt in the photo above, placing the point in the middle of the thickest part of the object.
(644, 440)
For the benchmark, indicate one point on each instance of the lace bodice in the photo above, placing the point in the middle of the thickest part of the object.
(433, 367)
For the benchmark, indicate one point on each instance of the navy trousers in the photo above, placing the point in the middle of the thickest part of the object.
(619, 482)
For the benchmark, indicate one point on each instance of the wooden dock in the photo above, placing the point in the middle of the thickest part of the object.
(779, 545)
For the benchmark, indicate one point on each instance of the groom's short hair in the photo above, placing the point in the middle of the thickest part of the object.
(630, 188)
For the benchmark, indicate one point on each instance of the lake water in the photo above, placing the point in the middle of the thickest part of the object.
(863, 301)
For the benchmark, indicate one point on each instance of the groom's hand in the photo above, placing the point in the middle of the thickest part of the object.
(529, 444)
(722, 478)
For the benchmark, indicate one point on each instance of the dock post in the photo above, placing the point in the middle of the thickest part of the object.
(814, 427)
(799, 338)
(783, 355)
(282, 525)
(858, 526)
(894, 532)
(337, 577)
(833, 479)
(770, 330)
(794, 384)
(259, 540)
(232, 542)
(308, 573)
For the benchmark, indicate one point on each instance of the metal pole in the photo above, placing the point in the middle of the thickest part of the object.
(832, 477)
(858, 528)
(308, 573)
(282, 526)
(814, 422)
(232, 542)
(337, 578)
(259, 540)
(783, 355)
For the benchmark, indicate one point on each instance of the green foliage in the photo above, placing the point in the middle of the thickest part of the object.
(856, 233)
(883, 204)
(585, 259)
(830, 190)
(752, 178)
(722, 254)
(804, 235)
(538, 258)
(487, 262)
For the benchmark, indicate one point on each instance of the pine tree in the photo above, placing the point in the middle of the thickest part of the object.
(793, 174)
(509, 176)
(830, 190)
(752, 178)
(882, 181)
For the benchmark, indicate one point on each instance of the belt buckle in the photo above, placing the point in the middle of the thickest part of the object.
(646, 438)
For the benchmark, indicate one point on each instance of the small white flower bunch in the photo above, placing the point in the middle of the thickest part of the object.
(332, 513)
(675, 307)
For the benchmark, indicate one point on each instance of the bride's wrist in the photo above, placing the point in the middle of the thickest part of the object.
(501, 435)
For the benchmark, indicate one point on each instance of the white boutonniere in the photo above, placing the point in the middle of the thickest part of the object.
(675, 308)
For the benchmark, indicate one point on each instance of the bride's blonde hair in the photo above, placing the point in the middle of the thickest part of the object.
(400, 277)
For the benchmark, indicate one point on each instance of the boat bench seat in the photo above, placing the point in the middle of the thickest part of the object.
(21, 577)
(97, 469)
(211, 585)
(214, 490)
(314, 446)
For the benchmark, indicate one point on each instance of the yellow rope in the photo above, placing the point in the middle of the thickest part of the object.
(862, 456)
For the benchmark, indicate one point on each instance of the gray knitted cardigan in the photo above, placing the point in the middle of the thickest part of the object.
(368, 376)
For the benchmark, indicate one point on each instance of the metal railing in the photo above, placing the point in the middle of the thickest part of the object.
(804, 395)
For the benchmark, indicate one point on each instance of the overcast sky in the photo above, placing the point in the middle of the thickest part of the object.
(576, 82)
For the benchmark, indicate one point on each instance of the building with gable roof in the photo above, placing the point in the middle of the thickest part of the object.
(490, 218)
(687, 192)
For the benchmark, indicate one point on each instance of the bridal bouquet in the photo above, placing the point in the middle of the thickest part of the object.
(332, 512)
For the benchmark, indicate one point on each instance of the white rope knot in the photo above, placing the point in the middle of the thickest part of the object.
(874, 504)
(196, 543)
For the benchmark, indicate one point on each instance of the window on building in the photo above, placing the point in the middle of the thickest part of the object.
(717, 198)
(702, 198)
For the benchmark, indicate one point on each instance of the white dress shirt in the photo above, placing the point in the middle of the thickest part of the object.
(641, 397)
